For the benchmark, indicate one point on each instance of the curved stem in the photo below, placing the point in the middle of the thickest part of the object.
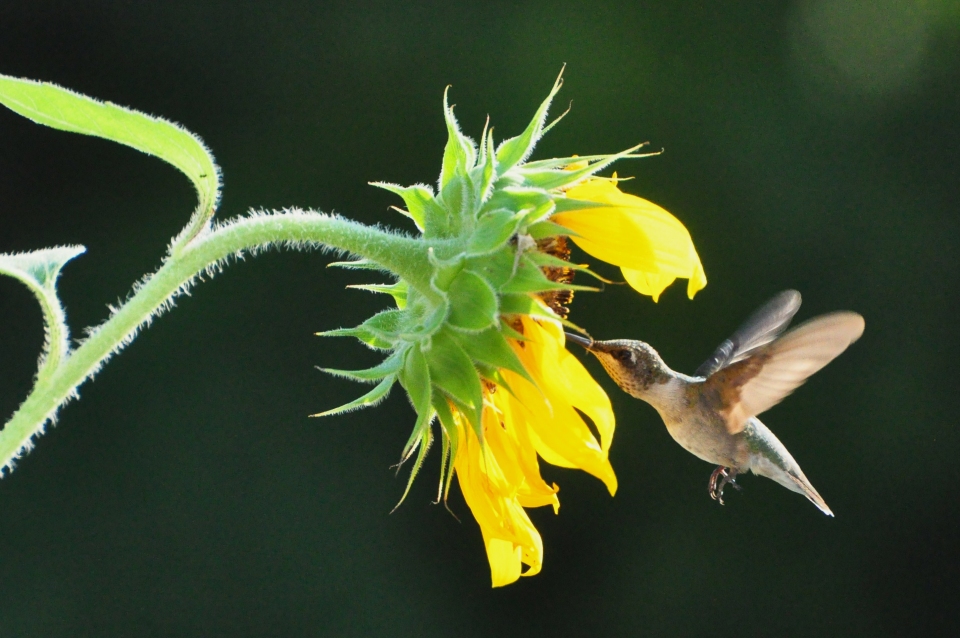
(404, 256)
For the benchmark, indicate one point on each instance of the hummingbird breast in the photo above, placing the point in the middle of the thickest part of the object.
(698, 427)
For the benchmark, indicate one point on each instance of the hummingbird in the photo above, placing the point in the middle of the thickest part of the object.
(713, 414)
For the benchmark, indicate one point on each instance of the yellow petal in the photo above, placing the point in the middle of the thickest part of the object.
(650, 245)
(585, 393)
(557, 430)
(504, 559)
(514, 456)
(512, 438)
(610, 234)
(570, 379)
(697, 282)
(648, 283)
(509, 536)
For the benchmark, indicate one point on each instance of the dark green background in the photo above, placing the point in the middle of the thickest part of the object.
(810, 145)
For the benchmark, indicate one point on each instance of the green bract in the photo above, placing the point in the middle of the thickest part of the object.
(481, 225)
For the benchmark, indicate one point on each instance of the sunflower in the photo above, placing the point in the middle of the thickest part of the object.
(480, 347)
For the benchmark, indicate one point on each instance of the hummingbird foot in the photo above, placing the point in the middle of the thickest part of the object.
(721, 477)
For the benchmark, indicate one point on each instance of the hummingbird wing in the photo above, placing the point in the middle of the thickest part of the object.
(762, 380)
(759, 329)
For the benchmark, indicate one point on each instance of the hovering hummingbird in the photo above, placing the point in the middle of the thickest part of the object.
(713, 414)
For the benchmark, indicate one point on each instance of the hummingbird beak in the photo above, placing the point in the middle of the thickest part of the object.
(583, 341)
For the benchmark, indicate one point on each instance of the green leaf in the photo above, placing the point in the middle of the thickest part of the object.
(473, 303)
(473, 418)
(529, 278)
(455, 198)
(446, 468)
(517, 198)
(358, 333)
(60, 108)
(565, 205)
(491, 348)
(379, 331)
(416, 379)
(487, 171)
(386, 323)
(429, 324)
(390, 365)
(542, 230)
(487, 372)
(451, 443)
(497, 268)
(373, 397)
(423, 441)
(451, 370)
(495, 376)
(516, 304)
(515, 150)
(398, 291)
(523, 304)
(561, 162)
(543, 260)
(460, 153)
(39, 270)
(532, 307)
(444, 415)
(549, 179)
(538, 214)
(418, 198)
(510, 333)
(556, 120)
(493, 231)
(357, 264)
(444, 271)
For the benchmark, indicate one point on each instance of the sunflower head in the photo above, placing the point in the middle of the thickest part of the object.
(479, 348)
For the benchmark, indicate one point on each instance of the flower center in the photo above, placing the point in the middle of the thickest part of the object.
(558, 300)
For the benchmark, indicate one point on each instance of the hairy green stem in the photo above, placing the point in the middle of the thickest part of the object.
(404, 256)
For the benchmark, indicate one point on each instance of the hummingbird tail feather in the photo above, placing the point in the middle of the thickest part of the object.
(807, 490)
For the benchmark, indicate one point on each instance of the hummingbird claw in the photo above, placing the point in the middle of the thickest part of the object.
(719, 479)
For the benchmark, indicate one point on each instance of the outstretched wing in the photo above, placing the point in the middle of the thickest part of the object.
(770, 373)
(761, 328)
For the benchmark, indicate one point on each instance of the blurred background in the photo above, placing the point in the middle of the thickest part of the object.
(811, 145)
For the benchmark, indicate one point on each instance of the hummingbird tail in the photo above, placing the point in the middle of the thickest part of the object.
(807, 490)
(771, 459)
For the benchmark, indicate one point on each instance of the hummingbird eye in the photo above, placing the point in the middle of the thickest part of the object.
(625, 356)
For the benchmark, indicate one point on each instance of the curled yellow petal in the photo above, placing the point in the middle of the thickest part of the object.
(505, 561)
(650, 245)
(490, 487)
(514, 455)
(563, 386)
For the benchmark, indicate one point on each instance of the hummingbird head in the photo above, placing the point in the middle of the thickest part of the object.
(634, 365)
